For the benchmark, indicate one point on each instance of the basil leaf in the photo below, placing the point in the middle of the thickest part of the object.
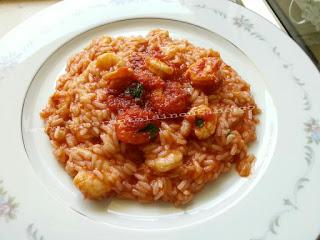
(199, 122)
(135, 91)
(152, 129)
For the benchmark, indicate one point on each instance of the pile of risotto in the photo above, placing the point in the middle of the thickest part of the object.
(150, 118)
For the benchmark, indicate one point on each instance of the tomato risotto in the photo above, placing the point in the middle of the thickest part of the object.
(150, 118)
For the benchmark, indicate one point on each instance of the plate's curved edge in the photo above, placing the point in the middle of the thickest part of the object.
(312, 127)
(66, 42)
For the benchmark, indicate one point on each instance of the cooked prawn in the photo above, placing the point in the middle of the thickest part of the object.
(119, 79)
(90, 185)
(203, 120)
(205, 72)
(166, 163)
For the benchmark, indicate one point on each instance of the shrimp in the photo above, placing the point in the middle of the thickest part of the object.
(204, 73)
(136, 126)
(171, 99)
(166, 163)
(119, 79)
(109, 60)
(158, 67)
(203, 120)
(90, 185)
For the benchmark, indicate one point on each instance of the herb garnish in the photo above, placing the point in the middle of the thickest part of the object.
(135, 91)
(152, 129)
(199, 122)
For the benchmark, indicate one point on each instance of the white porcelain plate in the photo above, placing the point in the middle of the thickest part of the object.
(280, 200)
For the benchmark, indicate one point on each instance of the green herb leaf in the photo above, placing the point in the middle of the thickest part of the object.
(199, 122)
(152, 129)
(135, 91)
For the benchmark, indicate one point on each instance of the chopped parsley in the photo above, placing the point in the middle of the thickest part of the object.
(152, 129)
(135, 91)
(199, 122)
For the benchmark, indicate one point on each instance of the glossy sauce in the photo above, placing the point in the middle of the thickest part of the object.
(159, 94)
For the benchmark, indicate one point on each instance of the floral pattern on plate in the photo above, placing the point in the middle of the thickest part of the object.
(313, 131)
(8, 205)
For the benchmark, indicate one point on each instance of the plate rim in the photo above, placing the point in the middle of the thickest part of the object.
(269, 23)
(255, 179)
